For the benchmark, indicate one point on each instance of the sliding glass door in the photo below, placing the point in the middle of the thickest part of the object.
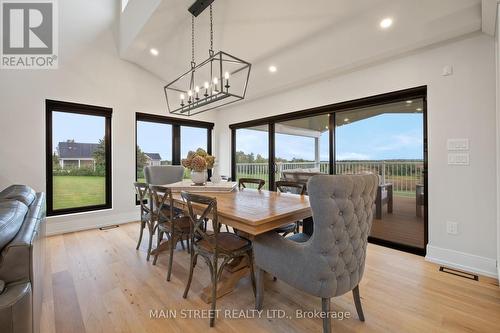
(302, 146)
(388, 140)
(252, 153)
(383, 134)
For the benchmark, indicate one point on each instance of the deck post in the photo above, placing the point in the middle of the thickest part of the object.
(383, 172)
(317, 153)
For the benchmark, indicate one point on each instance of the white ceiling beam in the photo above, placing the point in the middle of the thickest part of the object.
(298, 131)
(489, 16)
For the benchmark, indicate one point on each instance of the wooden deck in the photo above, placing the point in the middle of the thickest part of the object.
(402, 226)
(97, 282)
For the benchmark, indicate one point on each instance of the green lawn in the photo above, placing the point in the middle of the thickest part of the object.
(78, 191)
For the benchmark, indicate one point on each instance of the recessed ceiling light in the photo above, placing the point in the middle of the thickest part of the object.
(409, 102)
(386, 23)
(273, 69)
(154, 52)
(346, 120)
(419, 109)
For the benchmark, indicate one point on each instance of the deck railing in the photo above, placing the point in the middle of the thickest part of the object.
(404, 175)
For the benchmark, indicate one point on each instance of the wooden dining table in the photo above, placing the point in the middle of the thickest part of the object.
(251, 212)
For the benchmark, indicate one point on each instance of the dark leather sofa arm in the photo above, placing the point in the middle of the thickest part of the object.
(16, 257)
(15, 308)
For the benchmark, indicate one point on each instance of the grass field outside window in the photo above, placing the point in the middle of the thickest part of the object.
(78, 191)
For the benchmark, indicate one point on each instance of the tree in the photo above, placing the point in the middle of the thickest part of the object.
(241, 157)
(141, 160)
(55, 162)
(99, 156)
(260, 159)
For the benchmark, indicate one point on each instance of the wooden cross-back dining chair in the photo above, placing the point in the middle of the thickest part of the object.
(213, 246)
(295, 188)
(242, 182)
(142, 191)
(168, 222)
(289, 186)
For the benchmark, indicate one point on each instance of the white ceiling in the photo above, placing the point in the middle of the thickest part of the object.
(307, 40)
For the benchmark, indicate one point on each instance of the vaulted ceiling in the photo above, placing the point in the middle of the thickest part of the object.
(305, 40)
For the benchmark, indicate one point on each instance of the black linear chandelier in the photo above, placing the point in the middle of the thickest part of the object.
(219, 80)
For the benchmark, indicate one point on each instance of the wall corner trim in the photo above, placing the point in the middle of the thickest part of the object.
(463, 261)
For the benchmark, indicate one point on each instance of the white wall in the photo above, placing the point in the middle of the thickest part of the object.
(91, 73)
(133, 18)
(459, 106)
(497, 44)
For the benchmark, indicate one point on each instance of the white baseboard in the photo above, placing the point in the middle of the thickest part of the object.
(462, 261)
(84, 221)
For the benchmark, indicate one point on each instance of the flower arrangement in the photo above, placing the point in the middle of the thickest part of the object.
(198, 160)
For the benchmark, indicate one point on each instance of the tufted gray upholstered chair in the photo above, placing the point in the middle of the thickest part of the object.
(332, 261)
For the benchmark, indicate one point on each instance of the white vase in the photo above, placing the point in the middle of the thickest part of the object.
(199, 177)
(216, 178)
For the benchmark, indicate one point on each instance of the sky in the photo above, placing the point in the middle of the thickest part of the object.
(151, 137)
(384, 137)
(387, 136)
(81, 128)
(157, 138)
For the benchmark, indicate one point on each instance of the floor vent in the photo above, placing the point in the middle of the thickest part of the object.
(109, 227)
(465, 275)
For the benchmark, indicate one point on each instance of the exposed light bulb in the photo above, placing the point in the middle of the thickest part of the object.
(273, 69)
(386, 23)
(154, 52)
(226, 75)
(216, 80)
(206, 85)
(197, 89)
(183, 97)
(190, 93)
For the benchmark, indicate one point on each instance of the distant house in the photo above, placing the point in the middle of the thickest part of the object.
(74, 155)
(153, 159)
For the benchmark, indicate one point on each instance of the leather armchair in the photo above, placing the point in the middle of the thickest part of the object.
(331, 263)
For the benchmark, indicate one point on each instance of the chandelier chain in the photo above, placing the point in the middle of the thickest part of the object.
(192, 41)
(211, 30)
(185, 97)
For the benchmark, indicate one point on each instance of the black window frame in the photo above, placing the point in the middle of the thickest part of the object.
(176, 124)
(332, 110)
(82, 109)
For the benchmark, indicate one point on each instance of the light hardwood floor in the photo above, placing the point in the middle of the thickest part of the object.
(98, 282)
